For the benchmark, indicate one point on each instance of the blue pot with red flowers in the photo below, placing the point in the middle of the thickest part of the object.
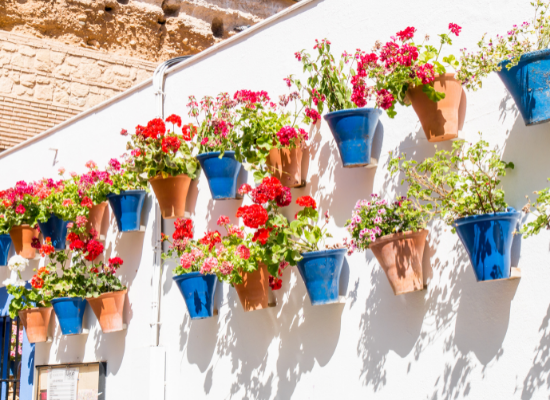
(321, 271)
(527, 82)
(353, 131)
(70, 313)
(488, 240)
(198, 291)
(56, 229)
(221, 173)
(5, 246)
(127, 208)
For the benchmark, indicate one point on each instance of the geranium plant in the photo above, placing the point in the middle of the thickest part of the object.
(458, 183)
(541, 212)
(377, 218)
(215, 119)
(20, 205)
(265, 125)
(308, 234)
(271, 228)
(525, 38)
(103, 277)
(157, 150)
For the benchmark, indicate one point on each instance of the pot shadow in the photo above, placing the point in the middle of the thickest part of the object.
(537, 376)
(193, 194)
(199, 340)
(107, 345)
(389, 323)
(216, 208)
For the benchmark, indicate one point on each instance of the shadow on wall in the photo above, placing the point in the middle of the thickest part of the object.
(537, 376)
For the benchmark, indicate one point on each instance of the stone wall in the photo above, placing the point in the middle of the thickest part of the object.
(43, 83)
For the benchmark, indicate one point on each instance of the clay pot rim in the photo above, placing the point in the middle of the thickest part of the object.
(107, 294)
(352, 111)
(392, 237)
(311, 254)
(34, 309)
(22, 227)
(159, 177)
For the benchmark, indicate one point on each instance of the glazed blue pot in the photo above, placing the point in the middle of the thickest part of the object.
(56, 229)
(353, 131)
(321, 271)
(198, 291)
(127, 208)
(527, 82)
(70, 311)
(488, 241)
(5, 246)
(221, 173)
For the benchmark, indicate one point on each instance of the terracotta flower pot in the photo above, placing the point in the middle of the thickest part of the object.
(400, 255)
(108, 309)
(36, 322)
(440, 120)
(253, 292)
(286, 166)
(95, 217)
(171, 194)
(22, 236)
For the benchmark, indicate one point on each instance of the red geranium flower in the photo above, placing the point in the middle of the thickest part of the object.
(87, 202)
(211, 239)
(115, 262)
(244, 189)
(407, 33)
(170, 143)
(37, 282)
(174, 119)
(455, 28)
(188, 132)
(184, 229)
(94, 249)
(253, 216)
(261, 235)
(306, 201)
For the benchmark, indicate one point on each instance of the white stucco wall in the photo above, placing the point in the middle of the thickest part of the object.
(457, 339)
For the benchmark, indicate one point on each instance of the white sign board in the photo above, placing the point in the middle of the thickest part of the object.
(62, 383)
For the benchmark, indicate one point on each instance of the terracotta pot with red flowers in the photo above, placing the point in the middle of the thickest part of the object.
(253, 292)
(164, 157)
(23, 238)
(408, 73)
(396, 234)
(109, 295)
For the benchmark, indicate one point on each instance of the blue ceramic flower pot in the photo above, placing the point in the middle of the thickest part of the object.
(353, 131)
(70, 311)
(198, 291)
(221, 173)
(56, 229)
(127, 208)
(321, 271)
(488, 241)
(5, 246)
(527, 82)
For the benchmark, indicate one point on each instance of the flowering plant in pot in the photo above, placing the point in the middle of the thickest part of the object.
(60, 210)
(271, 142)
(21, 216)
(408, 73)
(331, 86)
(31, 304)
(320, 265)
(195, 274)
(217, 141)
(107, 294)
(462, 186)
(163, 157)
(271, 230)
(522, 60)
(396, 233)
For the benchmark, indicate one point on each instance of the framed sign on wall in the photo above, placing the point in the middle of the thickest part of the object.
(71, 381)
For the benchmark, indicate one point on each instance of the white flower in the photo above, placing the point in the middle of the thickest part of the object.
(14, 280)
(18, 263)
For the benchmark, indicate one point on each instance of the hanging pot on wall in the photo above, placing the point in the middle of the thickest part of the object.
(5, 246)
(22, 237)
(95, 217)
(488, 240)
(286, 166)
(321, 271)
(221, 173)
(400, 256)
(36, 322)
(440, 119)
(70, 312)
(127, 208)
(56, 229)
(171, 193)
(108, 309)
(198, 291)
(527, 82)
(353, 131)
(253, 292)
